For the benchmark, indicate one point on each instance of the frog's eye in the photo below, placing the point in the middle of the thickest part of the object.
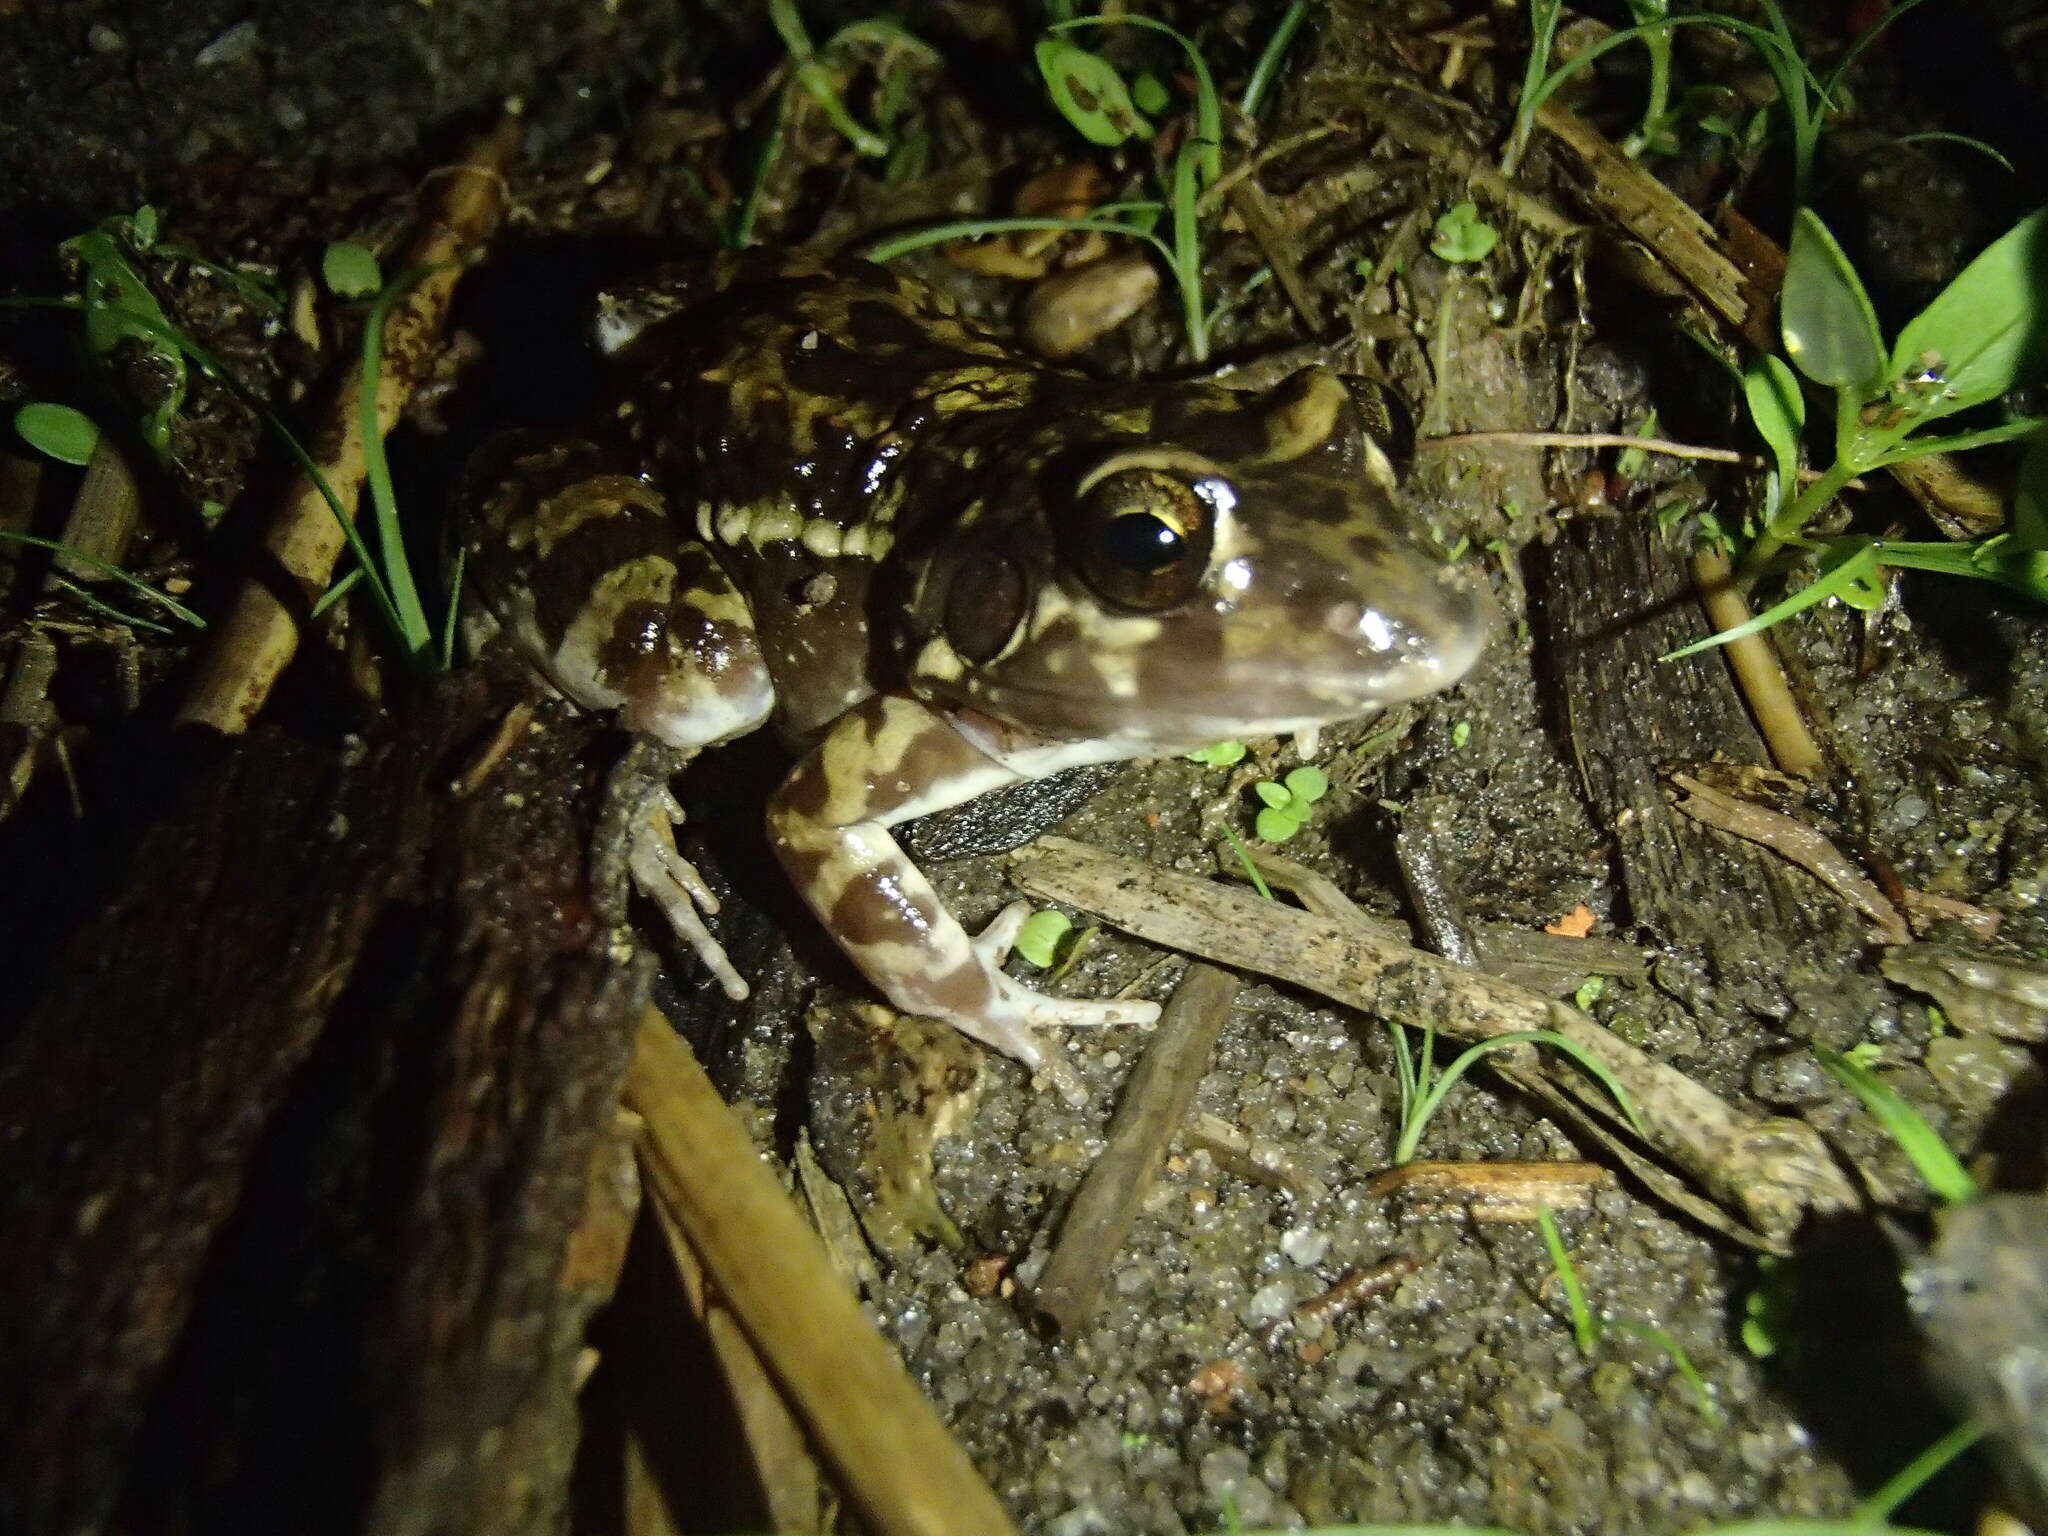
(1145, 531)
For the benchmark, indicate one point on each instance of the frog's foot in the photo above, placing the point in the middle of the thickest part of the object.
(1036, 1010)
(671, 882)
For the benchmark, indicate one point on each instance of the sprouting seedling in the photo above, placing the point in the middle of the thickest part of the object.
(1221, 754)
(1984, 334)
(1703, 1395)
(1461, 235)
(118, 307)
(1931, 1157)
(1089, 93)
(1286, 804)
(1423, 1088)
(812, 73)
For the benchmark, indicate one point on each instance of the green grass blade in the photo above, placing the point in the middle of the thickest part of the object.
(415, 633)
(1920, 1471)
(1585, 1326)
(1843, 576)
(135, 583)
(1930, 1155)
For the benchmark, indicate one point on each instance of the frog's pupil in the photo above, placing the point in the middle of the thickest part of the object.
(1140, 541)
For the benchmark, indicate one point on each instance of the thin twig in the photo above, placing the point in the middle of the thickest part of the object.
(1770, 1169)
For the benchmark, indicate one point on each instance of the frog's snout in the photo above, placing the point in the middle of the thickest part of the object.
(1418, 638)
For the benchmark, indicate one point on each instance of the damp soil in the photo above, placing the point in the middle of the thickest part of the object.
(1197, 1394)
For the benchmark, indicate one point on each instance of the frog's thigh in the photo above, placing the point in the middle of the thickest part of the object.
(882, 763)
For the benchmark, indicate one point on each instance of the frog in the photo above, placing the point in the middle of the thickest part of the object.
(819, 499)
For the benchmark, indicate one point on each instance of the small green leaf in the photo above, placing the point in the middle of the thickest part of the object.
(1150, 94)
(142, 227)
(58, 430)
(1275, 795)
(1219, 754)
(1277, 824)
(351, 270)
(1038, 941)
(1829, 327)
(1089, 93)
(1308, 782)
(1589, 992)
(1461, 235)
(1988, 329)
(1460, 734)
(1778, 409)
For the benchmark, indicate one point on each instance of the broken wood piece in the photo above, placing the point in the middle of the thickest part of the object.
(1355, 1287)
(1771, 1170)
(1797, 842)
(792, 1485)
(1493, 1191)
(1154, 1103)
(893, 1458)
(257, 639)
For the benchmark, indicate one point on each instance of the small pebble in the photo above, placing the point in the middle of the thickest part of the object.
(1265, 1305)
(231, 47)
(1305, 1245)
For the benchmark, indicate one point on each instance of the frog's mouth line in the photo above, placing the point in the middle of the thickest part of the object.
(1167, 722)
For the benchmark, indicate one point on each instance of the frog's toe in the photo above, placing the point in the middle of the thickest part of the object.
(995, 942)
(671, 882)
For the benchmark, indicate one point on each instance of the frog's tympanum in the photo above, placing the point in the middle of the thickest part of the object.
(826, 501)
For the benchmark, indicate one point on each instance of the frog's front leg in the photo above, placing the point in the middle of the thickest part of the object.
(585, 572)
(882, 763)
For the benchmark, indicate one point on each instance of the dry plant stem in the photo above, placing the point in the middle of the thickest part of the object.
(1663, 445)
(101, 524)
(257, 639)
(1757, 672)
(1795, 841)
(790, 1479)
(893, 1458)
(1495, 1191)
(1770, 1170)
(1154, 1103)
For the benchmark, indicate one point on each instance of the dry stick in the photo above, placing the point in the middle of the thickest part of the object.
(792, 1485)
(1769, 1169)
(256, 641)
(1756, 668)
(1155, 1101)
(900, 1468)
